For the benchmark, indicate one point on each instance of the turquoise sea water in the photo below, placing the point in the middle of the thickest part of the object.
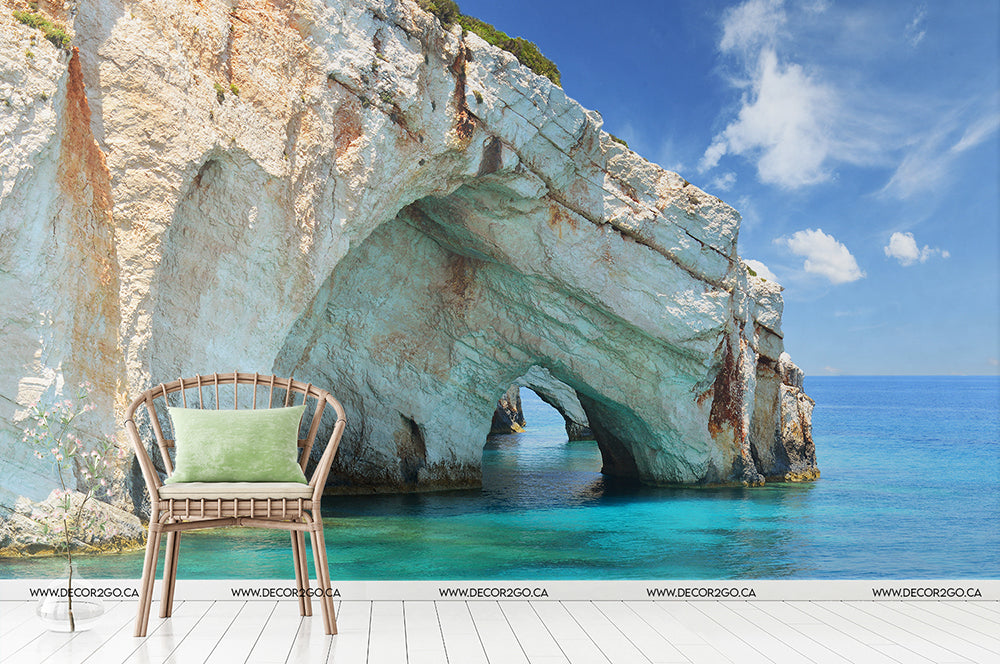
(910, 488)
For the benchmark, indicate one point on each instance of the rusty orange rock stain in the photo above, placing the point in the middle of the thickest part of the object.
(259, 28)
(85, 185)
(459, 287)
(559, 216)
(53, 9)
(579, 190)
(705, 396)
(728, 395)
(465, 122)
(628, 190)
(347, 126)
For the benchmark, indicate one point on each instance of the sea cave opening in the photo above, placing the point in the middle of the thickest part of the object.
(531, 460)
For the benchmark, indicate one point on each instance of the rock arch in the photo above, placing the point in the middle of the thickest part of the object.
(421, 326)
(552, 391)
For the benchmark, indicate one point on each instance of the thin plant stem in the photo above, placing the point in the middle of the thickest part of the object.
(69, 582)
(69, 556)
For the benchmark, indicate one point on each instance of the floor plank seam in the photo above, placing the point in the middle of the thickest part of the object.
(875, 647)
(482, 644)
(797, 628)
(748, 646)
(406, 638)
(904, 629)
(589, 636)
(188, 631)
(618, 627)
(549, 630)
(444, 644)
(918, 606)
(274, 606)
(804, 656)
(291, 646)
(893, 641)
(225, 631)
(371, 616)
(512, 631)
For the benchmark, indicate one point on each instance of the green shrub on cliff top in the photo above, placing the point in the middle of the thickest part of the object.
(526, 52)
(617, 139)
(446, 10)
(53, 32)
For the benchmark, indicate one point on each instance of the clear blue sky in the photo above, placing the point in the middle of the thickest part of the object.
(859, 140)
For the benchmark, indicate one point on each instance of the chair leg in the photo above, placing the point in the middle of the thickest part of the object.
(304, 571)
(298, 572)
(323, 576)
(148, 574)
(170, 573)
(173, 570)
(319, 576)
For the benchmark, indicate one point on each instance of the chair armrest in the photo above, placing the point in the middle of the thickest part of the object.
(149, 473)
(322, 469)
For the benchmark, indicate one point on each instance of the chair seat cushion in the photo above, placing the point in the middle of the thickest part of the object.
(230, 490)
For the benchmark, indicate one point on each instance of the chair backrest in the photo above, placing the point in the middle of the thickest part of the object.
(234, 391)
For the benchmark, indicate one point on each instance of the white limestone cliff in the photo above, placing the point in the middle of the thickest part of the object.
(348, 192)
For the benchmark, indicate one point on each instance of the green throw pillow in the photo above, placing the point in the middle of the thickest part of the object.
(236, 445)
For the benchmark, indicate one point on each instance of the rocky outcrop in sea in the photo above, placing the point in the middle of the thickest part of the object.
(352, 193)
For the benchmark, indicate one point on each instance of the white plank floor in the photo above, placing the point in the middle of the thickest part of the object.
(522, 632)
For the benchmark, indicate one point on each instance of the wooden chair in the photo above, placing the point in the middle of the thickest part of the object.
(185, 506)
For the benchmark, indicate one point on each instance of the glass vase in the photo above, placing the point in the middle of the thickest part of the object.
(54, 607)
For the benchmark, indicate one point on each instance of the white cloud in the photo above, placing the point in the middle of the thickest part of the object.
(724, 182)
(816, 6)
(852, 313)
(928, 162)
(919, 172)
(824, 255)
(791, 122)
(915, 31)
(760, 269)
(784, 123)
(811, 98)
(978, 132)
(749, 212)
(752, 24)
(713, 153)
(903, 247)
